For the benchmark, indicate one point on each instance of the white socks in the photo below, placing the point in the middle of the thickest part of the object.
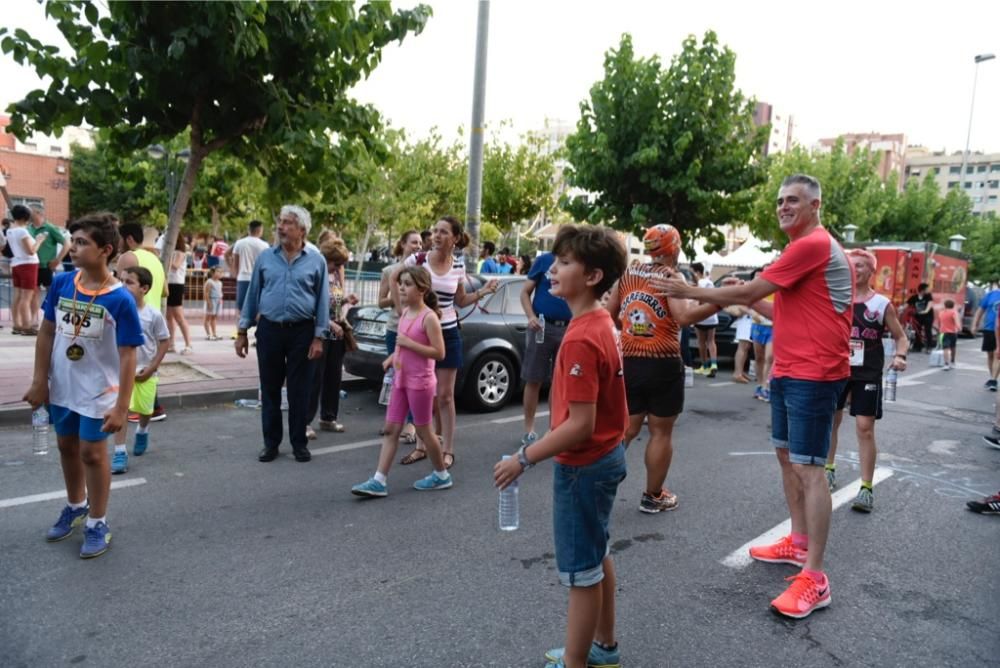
(77, 506)
(119, 447)
(92, 521)
(380, 477)
(142, 430)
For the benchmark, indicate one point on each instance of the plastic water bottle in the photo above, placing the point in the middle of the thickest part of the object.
(540, 334)
(509, 512)
(753, 371)
(343, 394)
(688, 377)
(890, 384)
(248, 403)
(40, 431)
(386, 392)
(284, 398)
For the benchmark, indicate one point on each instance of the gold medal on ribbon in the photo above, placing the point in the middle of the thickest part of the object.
(75, 352)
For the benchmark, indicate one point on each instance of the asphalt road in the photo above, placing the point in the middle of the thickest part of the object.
(221, 561)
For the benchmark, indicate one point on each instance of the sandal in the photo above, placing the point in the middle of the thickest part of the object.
(415, 456)
(449, 460)
(331, 425)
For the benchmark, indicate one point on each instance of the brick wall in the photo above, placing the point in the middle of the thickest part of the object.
(39, 177)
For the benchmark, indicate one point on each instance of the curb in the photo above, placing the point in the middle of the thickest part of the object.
(21, 416)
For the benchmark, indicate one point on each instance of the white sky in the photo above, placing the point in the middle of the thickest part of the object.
(880, 65)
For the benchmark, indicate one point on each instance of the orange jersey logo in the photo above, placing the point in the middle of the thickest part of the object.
(648, 329)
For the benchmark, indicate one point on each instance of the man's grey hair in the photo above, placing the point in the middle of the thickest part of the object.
(301, 215)
(810, 182)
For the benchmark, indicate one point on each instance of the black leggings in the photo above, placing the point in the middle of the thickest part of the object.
(325, 393)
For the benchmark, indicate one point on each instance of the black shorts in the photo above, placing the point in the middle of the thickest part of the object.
(989, 341)
(175, 294)
(865, 396)
(654, 385)
(705, 328)
(44, 276)
(949, 340)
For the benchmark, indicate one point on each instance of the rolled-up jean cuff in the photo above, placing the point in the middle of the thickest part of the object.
(779, 444)
(586, 578)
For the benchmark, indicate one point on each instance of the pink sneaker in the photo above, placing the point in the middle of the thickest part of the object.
(782, 552)
(802, 597)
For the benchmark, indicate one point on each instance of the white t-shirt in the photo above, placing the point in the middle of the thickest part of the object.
(248, 249)
(154, 330)
(713, 319)
(15, 237)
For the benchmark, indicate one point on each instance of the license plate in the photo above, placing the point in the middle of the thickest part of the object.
(370, 328)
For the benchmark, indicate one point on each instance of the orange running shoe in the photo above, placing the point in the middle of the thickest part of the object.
(802, 597)
(782, 552)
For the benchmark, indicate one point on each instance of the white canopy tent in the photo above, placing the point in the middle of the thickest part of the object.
(750, 255)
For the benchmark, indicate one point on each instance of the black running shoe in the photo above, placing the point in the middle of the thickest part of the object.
(988, 506)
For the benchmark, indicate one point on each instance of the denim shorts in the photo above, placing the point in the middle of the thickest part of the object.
(69, 423)
(583, 498)
(802, 417)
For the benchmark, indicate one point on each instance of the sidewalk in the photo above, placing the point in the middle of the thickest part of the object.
(212, 374)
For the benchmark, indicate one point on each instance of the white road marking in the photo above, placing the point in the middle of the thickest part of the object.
(907, 379)
(740, 557)
(722, 383)
(61, 494)
(517, 418)
(747, 454)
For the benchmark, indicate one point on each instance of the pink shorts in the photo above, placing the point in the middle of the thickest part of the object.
(25, 276)
(419, 403)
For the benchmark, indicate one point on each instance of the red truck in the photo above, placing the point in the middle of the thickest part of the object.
(903, 265)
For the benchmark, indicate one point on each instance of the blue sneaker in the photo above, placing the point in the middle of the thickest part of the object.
(119, 462)
(432, 482)
(96, 541)
(141, 443)
(598, 657)
(69, 519)
(765, 395)
(371, 488)
(529, 438)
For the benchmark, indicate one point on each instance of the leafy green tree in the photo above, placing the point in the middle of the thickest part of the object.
(103, 181)
(982, 244)
(853, 192)
(518, 181)
(266, 82)
(675, 146)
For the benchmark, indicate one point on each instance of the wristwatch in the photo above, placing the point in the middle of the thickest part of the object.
(522, 459)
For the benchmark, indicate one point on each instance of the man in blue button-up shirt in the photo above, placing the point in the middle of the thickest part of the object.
(289, 301)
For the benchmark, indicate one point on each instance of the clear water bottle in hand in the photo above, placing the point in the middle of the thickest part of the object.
(890, 384)
(509, 511)
(40, 431)
(540, 333)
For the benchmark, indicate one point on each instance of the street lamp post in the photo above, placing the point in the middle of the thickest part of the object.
(981, 58)
(170, 164)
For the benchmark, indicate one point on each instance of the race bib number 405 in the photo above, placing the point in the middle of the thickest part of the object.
(89, 318)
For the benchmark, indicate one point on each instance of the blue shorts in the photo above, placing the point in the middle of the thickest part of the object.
(583, 498)
(802, 417)
(68, 423)
(761, 334)
(452, 349)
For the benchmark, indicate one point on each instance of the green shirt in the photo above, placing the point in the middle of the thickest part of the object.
(154, 298)
(47, 251)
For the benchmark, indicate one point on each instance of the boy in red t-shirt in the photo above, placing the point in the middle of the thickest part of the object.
(949, 324)
(589, 416)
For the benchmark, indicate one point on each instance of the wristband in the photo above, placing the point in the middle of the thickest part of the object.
(522, 459)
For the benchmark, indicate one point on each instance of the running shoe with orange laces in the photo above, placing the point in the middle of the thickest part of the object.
(802, 597)
(782, 552)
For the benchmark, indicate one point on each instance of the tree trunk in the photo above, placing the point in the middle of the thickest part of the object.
(181, 203)
(364, 248)
(216, 220)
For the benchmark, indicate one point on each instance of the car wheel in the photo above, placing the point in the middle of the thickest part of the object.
(490, 383)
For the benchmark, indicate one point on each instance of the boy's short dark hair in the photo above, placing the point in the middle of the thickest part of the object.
(255, 225)
(101, 227)
(949, 303)
(699, 267)
(142, 275)
(20, 212)
(489, 247)
(922, 287)
(596, 247)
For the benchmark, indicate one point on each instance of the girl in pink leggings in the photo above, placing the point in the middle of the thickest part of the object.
(418, 344)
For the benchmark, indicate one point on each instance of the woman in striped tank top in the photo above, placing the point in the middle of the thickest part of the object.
(650, 326)
(448, 282)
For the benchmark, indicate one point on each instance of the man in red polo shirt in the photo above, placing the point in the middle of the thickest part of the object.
(813, 284)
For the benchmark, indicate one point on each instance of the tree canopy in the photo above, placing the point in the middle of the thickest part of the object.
(266, 82)
(675, 145)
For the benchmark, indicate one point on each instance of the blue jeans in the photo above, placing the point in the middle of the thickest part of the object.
(283, 358)
(802, 417)
(241, 294)
(583, 498)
